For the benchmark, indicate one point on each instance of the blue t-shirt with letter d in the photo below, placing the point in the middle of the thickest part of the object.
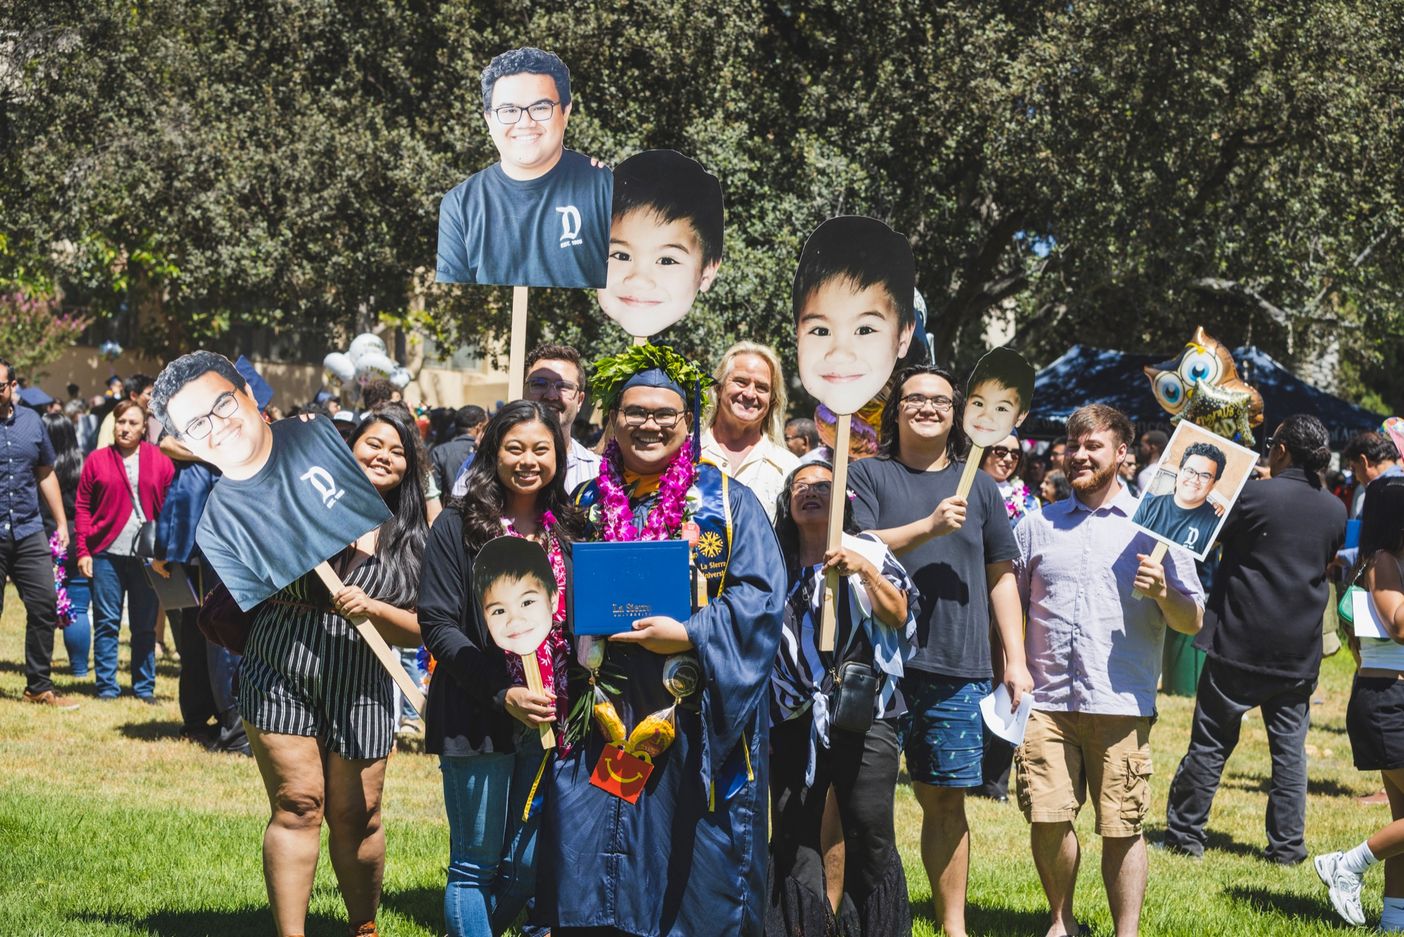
(548, 231)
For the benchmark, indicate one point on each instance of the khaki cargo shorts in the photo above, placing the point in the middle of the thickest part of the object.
(1066, 756)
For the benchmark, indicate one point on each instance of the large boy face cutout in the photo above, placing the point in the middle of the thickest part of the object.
(517, 603)
(518, 613)
(852, 305)
(656, 271)
(997, 397)
(848, 341)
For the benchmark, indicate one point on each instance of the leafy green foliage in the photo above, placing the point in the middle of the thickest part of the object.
(1106, 172)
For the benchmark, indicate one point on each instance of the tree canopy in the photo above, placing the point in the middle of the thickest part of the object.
(1112, 173)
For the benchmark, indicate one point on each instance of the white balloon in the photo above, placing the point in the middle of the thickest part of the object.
(340, 366)
(374, 364)
(401, 377)
(364, 344)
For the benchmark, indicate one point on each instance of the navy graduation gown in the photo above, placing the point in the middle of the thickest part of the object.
(686, 860)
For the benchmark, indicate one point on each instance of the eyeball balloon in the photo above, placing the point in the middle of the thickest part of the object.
(1206, 367)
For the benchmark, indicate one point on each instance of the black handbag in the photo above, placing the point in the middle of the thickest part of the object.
(852, 695)
(144, 545)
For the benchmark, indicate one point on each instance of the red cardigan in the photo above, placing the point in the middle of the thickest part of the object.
(104, 498)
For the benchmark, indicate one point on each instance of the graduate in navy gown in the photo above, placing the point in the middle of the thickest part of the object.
(688, 857)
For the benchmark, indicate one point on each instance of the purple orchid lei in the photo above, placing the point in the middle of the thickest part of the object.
(666, 517)
(63, 604)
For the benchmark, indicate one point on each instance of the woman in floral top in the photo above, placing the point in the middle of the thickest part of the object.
(1001, 463)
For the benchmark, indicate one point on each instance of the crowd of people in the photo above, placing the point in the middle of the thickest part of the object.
(766, 803)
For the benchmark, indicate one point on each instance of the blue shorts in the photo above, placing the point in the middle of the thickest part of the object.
(945, 741)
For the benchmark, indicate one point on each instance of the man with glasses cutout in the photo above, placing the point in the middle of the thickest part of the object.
(541, 215)
(286, 488)
(1186, 515)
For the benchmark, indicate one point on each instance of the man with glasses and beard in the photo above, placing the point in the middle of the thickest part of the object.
(1094, 654)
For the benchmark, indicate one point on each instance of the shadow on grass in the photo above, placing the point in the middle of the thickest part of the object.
(990, 920)
(1321, 787)
(158, 731)
(1298, 906)
(424, 906)
(247, 922)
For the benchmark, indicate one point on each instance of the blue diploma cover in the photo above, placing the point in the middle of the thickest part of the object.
(614, 584)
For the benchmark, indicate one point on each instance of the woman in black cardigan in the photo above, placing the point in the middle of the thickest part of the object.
(480, 721)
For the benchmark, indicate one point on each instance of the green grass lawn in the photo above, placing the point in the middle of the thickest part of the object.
(111, 826)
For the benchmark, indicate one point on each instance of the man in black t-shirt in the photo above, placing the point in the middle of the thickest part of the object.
(1185, 515)
(292, 494)
(540, 216)
(960, 554)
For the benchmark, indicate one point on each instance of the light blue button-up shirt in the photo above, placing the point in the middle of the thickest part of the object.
(1091, 647)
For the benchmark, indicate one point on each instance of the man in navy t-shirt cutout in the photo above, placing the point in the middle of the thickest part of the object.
(540, 216)
(1186, 516)
(291, 495)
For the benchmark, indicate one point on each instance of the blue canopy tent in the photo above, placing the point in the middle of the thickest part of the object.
(1086, 375)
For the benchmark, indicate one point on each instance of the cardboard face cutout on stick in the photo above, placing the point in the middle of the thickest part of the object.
(291, 496)
(997, 396)
(515, 589)
(852, 304)
(1197, 480)
(516, 592)
(665, 240)
(540, 215)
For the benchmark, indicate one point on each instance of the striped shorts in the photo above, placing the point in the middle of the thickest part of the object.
(306, 672)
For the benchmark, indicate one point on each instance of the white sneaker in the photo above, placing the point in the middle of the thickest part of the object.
(1344, 886)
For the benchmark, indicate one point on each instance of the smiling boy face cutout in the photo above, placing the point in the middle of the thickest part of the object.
(997, 396)
(853, 314)
(665, 241)
(516, 592)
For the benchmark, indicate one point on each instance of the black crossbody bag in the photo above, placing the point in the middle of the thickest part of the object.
(853, 688)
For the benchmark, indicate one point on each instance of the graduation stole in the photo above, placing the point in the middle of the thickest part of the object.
(706, 527)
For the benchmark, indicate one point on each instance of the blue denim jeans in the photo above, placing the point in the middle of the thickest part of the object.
(78, 636)
(492, 851)
(116, 577)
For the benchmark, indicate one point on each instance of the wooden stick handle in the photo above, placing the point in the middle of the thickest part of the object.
(838, 499)
(972, 465)
(535, 685)
(1157, 554)
(516, 351)
(388, 658)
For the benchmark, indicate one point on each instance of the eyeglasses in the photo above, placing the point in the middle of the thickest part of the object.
(917, 402)
(510, 114)
(543, 384)
(819, 488)
(1003, 452)
(667, 418)
(224, 406)
(1197, 475)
